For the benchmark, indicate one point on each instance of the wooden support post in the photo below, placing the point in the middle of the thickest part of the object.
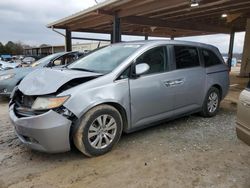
(116, 30)
(245, 63)
(68, 42)
(230, 51)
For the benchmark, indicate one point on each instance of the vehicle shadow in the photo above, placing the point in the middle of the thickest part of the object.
(182, 124)
(162, 127)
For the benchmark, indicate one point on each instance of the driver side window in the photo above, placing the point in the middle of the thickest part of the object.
(64, 60)
(58, 62)
(155, 58)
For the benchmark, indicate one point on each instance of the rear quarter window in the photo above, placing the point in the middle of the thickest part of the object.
(210, 58)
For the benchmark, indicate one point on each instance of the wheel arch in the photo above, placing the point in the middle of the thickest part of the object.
(121, 109)
(217, 86)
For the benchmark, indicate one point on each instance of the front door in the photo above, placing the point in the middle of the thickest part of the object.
(151, 96)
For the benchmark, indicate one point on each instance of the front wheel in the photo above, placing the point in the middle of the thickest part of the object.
(99, 130)
(212, 103)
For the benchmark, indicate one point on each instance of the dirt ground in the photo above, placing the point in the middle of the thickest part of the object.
(188, 152)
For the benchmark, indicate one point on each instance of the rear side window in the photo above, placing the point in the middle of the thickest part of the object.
(186, 57)
(210, 58)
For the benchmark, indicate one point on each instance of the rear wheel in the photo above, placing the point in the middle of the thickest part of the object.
(99, 130)
(212, 103)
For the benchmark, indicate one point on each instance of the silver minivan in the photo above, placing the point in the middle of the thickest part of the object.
(123, 87)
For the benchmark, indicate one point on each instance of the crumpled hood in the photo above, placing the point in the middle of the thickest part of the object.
(46, 80)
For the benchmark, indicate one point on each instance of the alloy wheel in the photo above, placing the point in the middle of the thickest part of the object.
(102, 131)
(213, 101)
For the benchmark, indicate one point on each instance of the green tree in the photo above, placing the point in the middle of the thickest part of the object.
(2, 48)
(10, 48)
(19, 48)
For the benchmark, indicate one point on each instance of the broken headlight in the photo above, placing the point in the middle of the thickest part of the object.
(46, 103)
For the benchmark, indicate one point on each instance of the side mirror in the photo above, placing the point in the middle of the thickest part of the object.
(141, 68)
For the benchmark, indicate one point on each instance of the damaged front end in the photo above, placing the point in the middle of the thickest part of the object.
(26, 106)
(41, 121)
(39, 92)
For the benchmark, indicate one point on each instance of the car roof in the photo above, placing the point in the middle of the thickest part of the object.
(171, 42)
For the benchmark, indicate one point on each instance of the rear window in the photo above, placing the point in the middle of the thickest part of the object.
(186, 57)
(210, 58)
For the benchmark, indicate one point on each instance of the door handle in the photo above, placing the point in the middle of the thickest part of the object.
(178, 82)
(174, 82)
(169, 83)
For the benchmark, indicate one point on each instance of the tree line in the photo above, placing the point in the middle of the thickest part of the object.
(12, 48)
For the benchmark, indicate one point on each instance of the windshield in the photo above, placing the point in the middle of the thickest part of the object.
(106, 59)
(44, 60)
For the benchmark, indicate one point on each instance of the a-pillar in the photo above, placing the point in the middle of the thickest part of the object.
(245, 64)
(68, 42)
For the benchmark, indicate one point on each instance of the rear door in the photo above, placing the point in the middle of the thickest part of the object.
(189, 79)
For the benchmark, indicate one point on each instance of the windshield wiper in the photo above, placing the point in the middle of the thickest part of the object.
(81, 69)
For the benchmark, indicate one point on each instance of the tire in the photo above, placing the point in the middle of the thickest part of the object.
(91, 137)
(213, 97)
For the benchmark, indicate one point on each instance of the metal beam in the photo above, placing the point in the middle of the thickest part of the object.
(140, 33)
(230, 51)
(86, 38)
(53, 29)
(68, 42)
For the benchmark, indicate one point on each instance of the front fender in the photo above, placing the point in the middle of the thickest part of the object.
(83, 99)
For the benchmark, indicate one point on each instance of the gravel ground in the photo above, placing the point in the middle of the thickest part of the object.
(188, 152)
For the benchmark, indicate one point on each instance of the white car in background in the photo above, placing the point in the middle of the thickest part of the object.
(6, 65)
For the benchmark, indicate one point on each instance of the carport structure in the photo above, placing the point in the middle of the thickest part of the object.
(162, 18)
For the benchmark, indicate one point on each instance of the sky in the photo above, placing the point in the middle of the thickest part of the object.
(26, 20)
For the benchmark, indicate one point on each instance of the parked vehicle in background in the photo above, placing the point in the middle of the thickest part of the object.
(28, 60)
(6, 65)
(6, 57)
(120, 88)
(243, 116)
(9, 79)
